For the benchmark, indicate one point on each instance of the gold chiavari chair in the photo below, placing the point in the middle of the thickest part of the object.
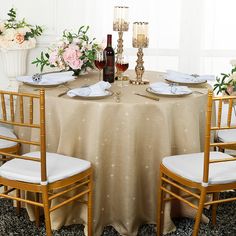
(199, 175)
(48, 175)
(227, 135)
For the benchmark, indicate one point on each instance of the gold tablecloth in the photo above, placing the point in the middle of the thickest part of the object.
(125, 143)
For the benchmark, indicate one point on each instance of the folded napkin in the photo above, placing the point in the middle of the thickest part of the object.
(49, 79)
(186, 78)
(98, 89)
(164, 88)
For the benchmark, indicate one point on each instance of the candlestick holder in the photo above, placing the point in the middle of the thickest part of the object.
(140, 41)
(120, 24)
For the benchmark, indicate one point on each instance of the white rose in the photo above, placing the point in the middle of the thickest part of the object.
(23, 30)
(233, 62)
(10, 34)
(2, 27)
(233, 77)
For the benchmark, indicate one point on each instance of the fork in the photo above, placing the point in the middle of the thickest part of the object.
(69, 88)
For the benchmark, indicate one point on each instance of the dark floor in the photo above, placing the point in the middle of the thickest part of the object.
(12, 224)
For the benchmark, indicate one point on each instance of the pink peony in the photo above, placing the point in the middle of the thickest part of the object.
(76, 64)
(72, 57)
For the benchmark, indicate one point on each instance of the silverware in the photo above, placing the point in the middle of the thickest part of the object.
(68, 89)
(61, 94)
(117, 96)
(147, 96)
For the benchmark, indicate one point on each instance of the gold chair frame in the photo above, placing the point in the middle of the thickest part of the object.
(170, 181)
(81, 183)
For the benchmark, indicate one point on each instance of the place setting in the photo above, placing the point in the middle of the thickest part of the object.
(165, 89)
(99, 90)
(47, 79)
(172, 76)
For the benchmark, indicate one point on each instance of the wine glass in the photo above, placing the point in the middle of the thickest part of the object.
(122, 64)
(100, 61)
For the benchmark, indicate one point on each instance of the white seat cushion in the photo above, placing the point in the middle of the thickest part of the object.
(190, 166)
(58, 167)
(8, 133)
(227, 135)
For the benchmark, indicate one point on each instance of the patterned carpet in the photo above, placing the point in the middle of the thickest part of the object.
(13, 225)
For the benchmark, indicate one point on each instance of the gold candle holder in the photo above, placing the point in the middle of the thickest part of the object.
(140, 41)
(120, 24)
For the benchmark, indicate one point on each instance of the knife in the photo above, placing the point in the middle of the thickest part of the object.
(146, 96)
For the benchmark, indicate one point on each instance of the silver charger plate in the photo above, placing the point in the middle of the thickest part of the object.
(35, 84)
(150, 90)
(108, 94)
(185, 82)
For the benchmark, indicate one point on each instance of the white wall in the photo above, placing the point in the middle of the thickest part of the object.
(194, 36)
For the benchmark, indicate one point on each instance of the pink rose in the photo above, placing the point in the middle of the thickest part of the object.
(19, 38)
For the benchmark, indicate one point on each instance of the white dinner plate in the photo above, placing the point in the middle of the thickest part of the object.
(107, 94)
(169, 93)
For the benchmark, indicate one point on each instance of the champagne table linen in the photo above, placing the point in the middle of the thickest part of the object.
(125, 143)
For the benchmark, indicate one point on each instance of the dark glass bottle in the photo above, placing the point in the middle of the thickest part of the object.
(109, 69)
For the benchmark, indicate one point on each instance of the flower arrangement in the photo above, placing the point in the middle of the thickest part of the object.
(227, 84)
(74, 51)
(18, 34)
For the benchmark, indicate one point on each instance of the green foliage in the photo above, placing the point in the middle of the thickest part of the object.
(221, 85)
(12, 23)
(42, 61)
(12, 14)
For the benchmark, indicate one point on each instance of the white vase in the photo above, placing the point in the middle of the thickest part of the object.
(14, 64)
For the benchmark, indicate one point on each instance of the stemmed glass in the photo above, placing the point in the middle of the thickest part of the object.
(122, 64)
(100, 61)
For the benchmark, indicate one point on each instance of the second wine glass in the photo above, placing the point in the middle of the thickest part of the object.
(100, 61)
(122, 64)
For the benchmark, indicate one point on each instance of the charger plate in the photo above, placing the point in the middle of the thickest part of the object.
(35, 84)
(108, 94)
(169, 93)
(185, 81)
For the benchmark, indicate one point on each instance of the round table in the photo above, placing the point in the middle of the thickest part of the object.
(125, 142)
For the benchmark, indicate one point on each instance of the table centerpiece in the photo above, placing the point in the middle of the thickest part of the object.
(75, 51)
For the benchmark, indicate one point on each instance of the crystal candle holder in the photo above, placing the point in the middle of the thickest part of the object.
(120, 24)
(140, 41)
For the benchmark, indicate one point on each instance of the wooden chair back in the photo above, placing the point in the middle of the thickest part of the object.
(23, 115)
(213, 127)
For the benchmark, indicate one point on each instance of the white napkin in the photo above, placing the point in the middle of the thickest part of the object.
(176, 76)
(164, 88)
(49, 79)
(98, 89)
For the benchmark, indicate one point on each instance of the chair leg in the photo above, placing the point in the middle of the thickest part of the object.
(90, 201)
(18, 203)
(160, 207)
(199, 212)
(214, 208)
(36, 210)
(46, 210)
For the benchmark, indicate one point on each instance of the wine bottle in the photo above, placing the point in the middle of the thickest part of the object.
(109, 69)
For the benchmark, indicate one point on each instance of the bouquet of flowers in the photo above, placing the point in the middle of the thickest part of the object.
(74, 51)
(18, 34)
(227, 84)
